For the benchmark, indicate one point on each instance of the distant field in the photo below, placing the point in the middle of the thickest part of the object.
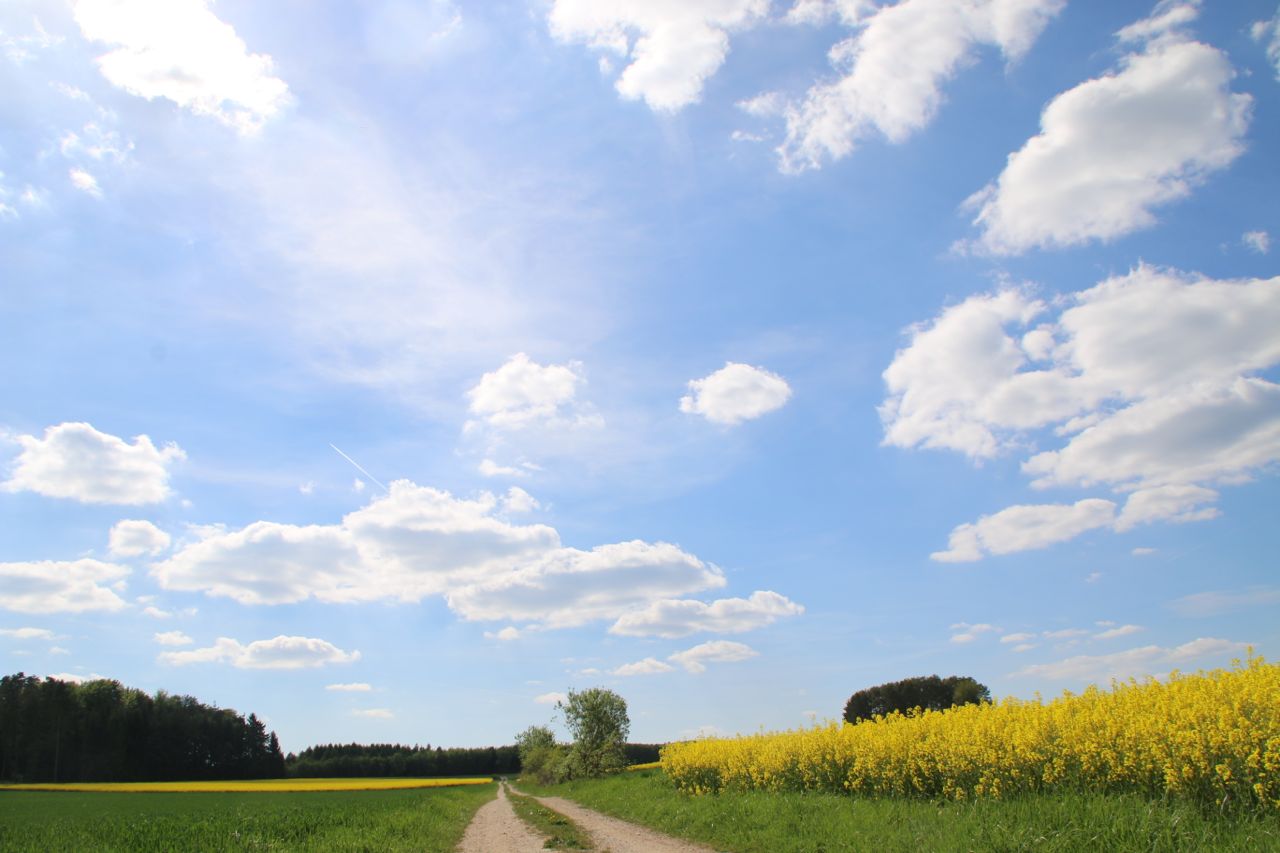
(421, 819)
(249, 785)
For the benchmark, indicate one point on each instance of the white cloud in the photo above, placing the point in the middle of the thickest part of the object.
(413, 541)
(417, 541)
(1257, 241)
(50, 586)
(27, 633)
(156, 613)
(1025, 528)
(1143, 552)
(850, 12)
(179, 50)
(1024, 647)
(1115, 147)
(1020, 637)
(507, 634)
(59, 650)
(74, 678)
(648, 666)
(569, 587)
(95, 143)
(307, 488)
(735, 393)
(678, 618)
(1145, 660)
(1147, 380)
(522, 393)
(968, 633)
(132, 538)
(1175, 503)
(1269, 31)
(517, 500)
(85, 182)
(894, 68)
(1120, 631)
(489, 468)
(1216, 602)
(278, 653)
(373, 713)
(353, 687)
(695, 660)
(673, 46)
(74, 460)
(550, 698)
(173, 638)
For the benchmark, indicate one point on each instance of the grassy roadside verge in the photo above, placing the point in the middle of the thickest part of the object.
(758, 822)
(561, 832)
(430, 819)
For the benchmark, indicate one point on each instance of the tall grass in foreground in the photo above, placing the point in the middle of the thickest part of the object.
(432, 819)
(1211, 739)
(812, 822)
(248, 785)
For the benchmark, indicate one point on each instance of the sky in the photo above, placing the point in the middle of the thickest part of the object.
(391, 369)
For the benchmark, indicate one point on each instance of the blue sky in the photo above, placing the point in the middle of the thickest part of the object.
(389, 371)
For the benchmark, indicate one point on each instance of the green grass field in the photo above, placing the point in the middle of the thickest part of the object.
(431, 819)
(759, 822)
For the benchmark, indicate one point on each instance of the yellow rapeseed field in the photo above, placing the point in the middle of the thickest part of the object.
(1209, 737)
(380, 784)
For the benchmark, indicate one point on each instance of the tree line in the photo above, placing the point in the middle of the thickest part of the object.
(385, 759)
(101, 731)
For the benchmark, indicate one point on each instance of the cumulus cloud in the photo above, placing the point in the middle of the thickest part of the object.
(1116, 147)
(517, 500)
(1145, 660)
(173, 638)
(1148, 382)
(648, 666)
(353, 687)
(550, 698)
(132, 538)
(27, 633)
(507, 634)
(1024, 528)
(411, 542)
(75, 461)
(179, 50)
(735, 393)
(50, 586)
(679, 618)
(522, 393)
(570, 587)
(489, 468)
(416, 541)
(695, 660)
(1020, 637)
(671, 47)
(894, 68)
(278, 653)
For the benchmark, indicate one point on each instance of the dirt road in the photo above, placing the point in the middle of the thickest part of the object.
(496, 829)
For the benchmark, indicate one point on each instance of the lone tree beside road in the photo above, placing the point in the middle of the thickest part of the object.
(597, 719)
(929, 693)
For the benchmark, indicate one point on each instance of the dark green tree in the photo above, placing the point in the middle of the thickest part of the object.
(929, 693)
(597, 719)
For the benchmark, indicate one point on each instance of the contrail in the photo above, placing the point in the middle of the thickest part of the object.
(358, 468)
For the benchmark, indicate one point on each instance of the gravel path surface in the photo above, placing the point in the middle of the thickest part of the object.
(617, 836)
(496, 829)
